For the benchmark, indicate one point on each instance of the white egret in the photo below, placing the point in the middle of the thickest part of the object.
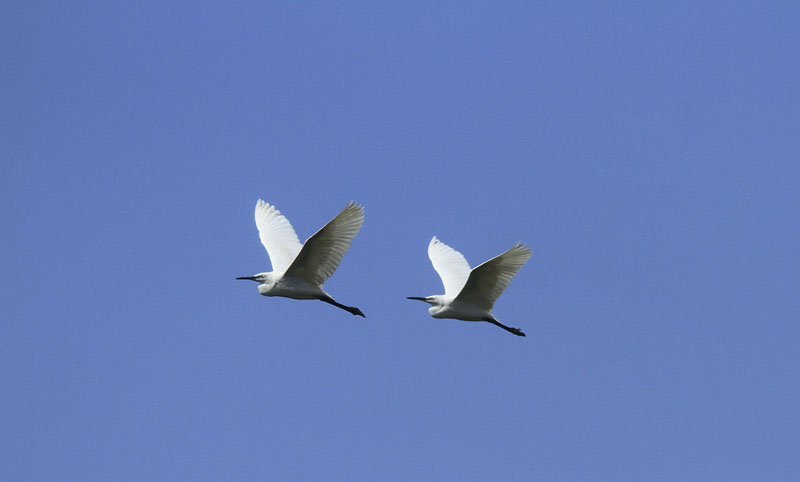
(300, 270)
(470, 294)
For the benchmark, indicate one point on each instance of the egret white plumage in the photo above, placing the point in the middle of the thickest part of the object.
(300, 270)
(470, 294)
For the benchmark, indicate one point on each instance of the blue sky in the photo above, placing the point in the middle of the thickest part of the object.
(648, 154)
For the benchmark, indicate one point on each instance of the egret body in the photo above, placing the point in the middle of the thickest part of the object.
(470, 293)
(300, 270)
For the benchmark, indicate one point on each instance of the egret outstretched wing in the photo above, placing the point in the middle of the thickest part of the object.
(277, 235)
(487, 281)
(450, 264)
(322, 252)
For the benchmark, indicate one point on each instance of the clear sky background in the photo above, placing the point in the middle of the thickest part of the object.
(648, 154)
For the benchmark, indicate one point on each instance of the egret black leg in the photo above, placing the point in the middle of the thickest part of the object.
(352, 309)
(515, 331)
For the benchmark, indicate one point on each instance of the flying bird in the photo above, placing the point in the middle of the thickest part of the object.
(300, 270)
(469, 295)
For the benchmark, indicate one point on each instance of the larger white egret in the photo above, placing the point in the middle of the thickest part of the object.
(470, 294)
(300, 270)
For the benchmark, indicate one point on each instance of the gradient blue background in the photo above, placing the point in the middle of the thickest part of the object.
(648, 154)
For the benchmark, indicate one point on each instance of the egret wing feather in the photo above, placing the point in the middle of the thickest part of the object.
(488, 281)
(277, 235)
(450, 264)
(323, 251)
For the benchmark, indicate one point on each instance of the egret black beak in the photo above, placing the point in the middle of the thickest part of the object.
(251, 278)
(416, 298)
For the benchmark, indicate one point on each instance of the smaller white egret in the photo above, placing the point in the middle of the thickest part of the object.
(300, 270)
(470, 294)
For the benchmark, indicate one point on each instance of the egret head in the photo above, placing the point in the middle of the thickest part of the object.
(260, 277)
